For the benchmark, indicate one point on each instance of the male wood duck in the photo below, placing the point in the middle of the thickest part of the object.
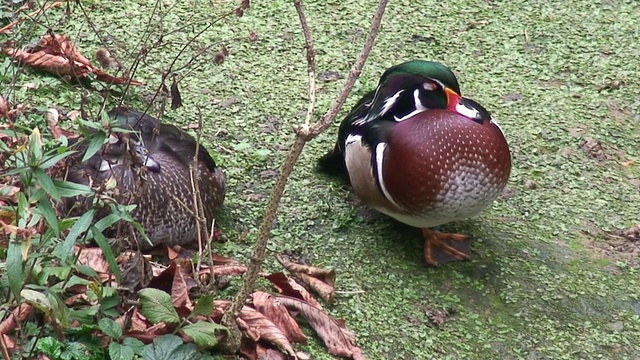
(416, 150)
(151, 168)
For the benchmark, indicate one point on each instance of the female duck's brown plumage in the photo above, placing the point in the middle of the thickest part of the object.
(418, 151)
(151, 168)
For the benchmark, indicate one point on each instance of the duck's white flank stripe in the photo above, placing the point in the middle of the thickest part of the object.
(351, 138)
(379, 158)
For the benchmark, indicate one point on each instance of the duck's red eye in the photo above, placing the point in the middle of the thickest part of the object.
(429, 86)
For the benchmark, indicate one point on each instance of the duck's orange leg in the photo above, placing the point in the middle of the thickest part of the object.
(440, 248)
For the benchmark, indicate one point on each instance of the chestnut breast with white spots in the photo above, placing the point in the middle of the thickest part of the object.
(440, 166)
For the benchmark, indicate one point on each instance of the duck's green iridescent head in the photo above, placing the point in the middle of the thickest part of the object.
(414, 86)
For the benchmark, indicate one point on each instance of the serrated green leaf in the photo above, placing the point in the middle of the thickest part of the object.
(120, 352)
(203, 333)
(14, 268)
(82, 224)
(107, 252)
(135, 344)
(163, 348)
(170, 347)
(204, 306)
(110, 328)
(97, 139)
(157, 306)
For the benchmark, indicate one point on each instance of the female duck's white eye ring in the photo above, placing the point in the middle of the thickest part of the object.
(429, 86)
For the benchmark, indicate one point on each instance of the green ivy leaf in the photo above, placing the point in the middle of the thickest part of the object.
(203, 333)
(157, 306)
(110, 328)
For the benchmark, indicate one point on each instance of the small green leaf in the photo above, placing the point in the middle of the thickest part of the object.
(120, 352)
(135, 344)
(106, 251)
(14, 268)
(82, 224)
(54, 160)
(46, 183)
(106, 222)
(69, 189)
(35, 146)
(203, 333)
(37, 299)
(110, 328)
(87, 270)
(47, 211)
(157, 306)
(204, 306)
(97, 139)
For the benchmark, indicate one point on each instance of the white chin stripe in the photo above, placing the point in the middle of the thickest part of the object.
(464, 110)
(379, 157)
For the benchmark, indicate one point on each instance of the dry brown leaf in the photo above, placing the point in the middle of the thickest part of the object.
(268, 331)
(338, 340)
(4, 107)
(265, 353)
(289, 287)
(326, 291)
(324, 275)
(180, 290)
(94, 258)
(58, 55)
(268, 306)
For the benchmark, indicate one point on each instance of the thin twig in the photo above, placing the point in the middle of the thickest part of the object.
(232, 342)
(330, 115)
(30, 15)
(311, 61)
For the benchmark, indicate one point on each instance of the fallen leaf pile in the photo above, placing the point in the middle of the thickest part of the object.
(268, 322)
(58, 55)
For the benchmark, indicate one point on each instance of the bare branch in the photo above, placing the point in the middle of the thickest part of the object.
(232, 343)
